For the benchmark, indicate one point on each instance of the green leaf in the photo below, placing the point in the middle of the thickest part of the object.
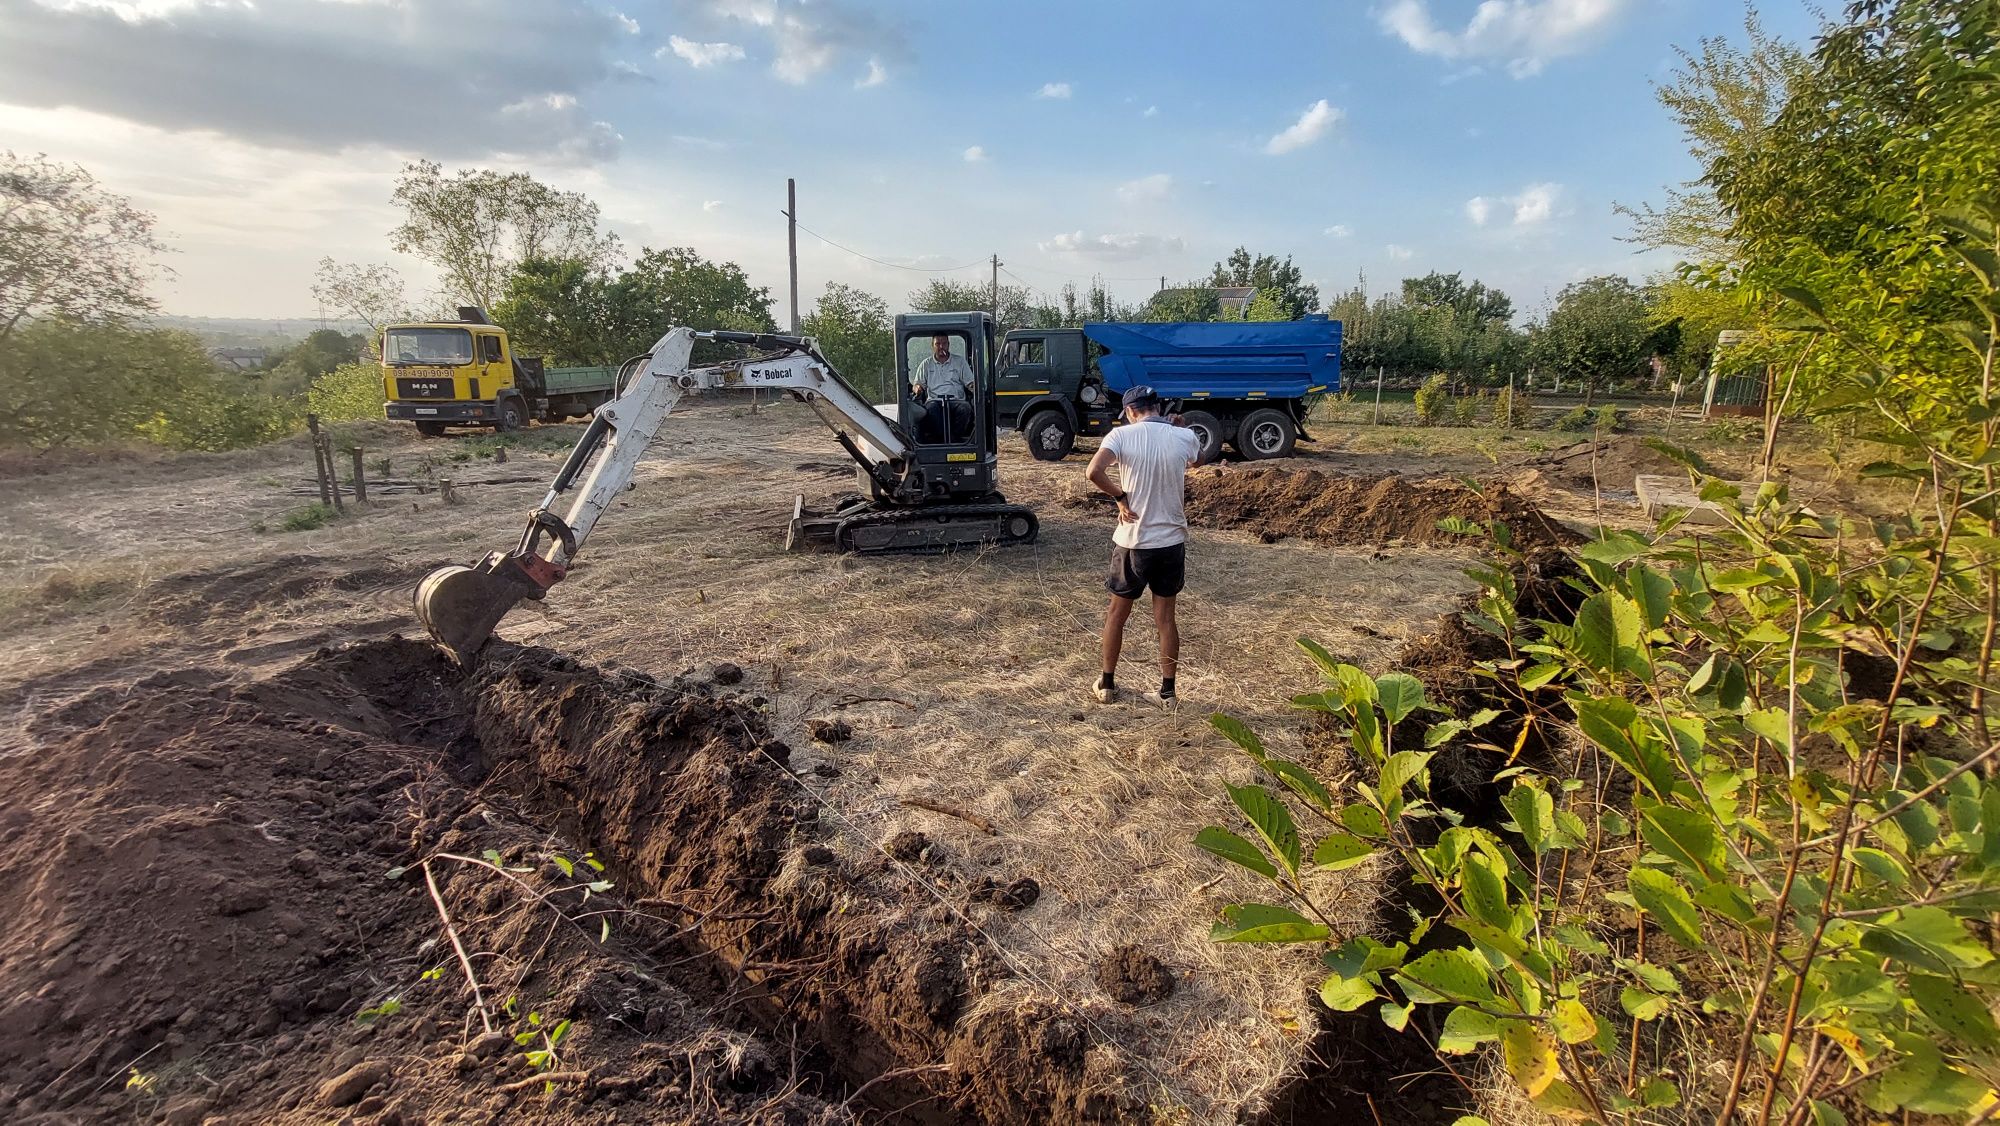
(1400, 769)
(1273, 822)
(1642, 1005)
(1399, 694)
(1737, 581)
(1465, 1029)
(1573, 937)
(1652, 592)
(563, 862)
(1770, 723)
(1346, 994)
(1537, 676)
(1236, 850)
(1265, 923)
(1658, 1093)
(1237, 732)
(1363, 820)
(1395, 1016)
(1663, 897)
(1610, 635)
(1342, 850)
(1443, 732)
(1572, 1022)
(1683, 836)
(1301, 782)
(1453, 974)
(1927, 937)
(1533, 811)
(1486, 891)
(1956, 1011)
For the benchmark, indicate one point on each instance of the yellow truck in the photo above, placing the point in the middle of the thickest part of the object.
(465, 373)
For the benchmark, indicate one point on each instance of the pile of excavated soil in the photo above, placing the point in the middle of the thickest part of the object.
(217, 912)
(1621, 458)
(1325, 508)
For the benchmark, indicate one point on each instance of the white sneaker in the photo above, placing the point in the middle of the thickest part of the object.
(1105, 695)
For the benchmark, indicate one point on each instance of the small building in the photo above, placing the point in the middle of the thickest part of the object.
(1234, 300)
(240, 359)
(1736, 386)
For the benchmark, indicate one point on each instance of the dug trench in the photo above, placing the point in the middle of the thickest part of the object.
(263, 901)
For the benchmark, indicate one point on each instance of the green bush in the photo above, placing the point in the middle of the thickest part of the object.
(1510, 408)
(305, 519)
(1433, 399)
(1606, 420)
(219, 415)
(1575, 420)
(1466, 409)
(348, 393)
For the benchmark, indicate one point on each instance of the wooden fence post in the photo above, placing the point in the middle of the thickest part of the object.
(360, 480)
(1378, 394)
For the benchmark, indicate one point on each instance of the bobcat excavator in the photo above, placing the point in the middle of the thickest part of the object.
(928, 477)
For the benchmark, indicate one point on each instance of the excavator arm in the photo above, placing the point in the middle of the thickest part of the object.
(460, 606)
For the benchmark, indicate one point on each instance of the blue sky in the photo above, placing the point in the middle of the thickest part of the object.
(1123, 140)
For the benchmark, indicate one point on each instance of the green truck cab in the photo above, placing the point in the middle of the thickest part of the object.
(465, 373)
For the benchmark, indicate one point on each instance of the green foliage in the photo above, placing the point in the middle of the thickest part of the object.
(476, 226)
(349, 393)
(1439, 322)
(308, 518)
(574, 312)
(560, 309)
(1600, 330)
(1511, 408)
(70, 251)
(854, 331)
(67, 382)
(1287, 283)
(1575, 420)
(1433, 400)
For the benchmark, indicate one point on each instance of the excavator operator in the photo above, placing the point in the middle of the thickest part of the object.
(945, 382)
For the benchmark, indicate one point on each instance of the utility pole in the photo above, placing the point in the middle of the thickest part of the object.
(792, 243)
(1163, 283)
(996, 288)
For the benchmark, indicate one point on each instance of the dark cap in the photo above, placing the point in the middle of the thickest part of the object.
(1142, 396)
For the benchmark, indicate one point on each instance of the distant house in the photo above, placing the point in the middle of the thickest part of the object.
(241, 359)
(1235, 300)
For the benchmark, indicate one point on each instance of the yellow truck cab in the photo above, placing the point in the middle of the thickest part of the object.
(464, 373)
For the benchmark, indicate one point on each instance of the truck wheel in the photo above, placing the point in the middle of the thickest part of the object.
(1266, 433)
(431, 429)
(1210, 429)
(513, 415)
(1050, 436)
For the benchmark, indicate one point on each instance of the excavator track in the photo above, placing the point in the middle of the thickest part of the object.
(936, 529)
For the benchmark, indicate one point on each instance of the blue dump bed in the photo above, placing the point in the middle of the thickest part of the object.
(1222, 359)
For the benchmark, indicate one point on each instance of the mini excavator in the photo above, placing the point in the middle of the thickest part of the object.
(927, 470)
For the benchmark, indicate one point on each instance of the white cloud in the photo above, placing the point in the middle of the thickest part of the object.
(1524, 34)
(1057, 90)
(1111, 248)
(1311, 126)
(809, 36)
(1399, 253)
(975, 155)
(876, 76)
(630, 25)
(700, 55)
(1532, 206)
(1158, 186)
(711, 205)
(1339, 230)
(1151, 111)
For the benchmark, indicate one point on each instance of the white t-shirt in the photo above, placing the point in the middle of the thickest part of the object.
(1153, 458)
(951, 379)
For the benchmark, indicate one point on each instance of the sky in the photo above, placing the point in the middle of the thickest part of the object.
(1086, 138)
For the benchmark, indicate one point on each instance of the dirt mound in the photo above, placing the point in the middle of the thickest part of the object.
(1325, 508)
(1620, 459)
(219, 909)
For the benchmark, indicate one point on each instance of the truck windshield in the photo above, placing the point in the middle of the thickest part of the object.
(448, 346)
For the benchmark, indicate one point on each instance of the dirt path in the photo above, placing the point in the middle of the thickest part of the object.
(961, 678)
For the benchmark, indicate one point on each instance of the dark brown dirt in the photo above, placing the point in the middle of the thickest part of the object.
(1135, 977)
(194, 597)
(1277, 504)
(1620, 459)
(200, 896)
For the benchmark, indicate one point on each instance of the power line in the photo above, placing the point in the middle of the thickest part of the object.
(880, 262)
(1069, 275)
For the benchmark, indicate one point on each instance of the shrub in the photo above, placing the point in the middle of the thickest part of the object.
(1433, 399)
(1606, 421)
(218, 414)
(1576, 420)
(1510, 408)
(1466, 409)
(305, 519)
(348, 393)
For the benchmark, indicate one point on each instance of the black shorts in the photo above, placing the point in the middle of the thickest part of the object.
(1135, 570)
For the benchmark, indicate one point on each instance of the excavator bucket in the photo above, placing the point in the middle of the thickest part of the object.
(459, 606)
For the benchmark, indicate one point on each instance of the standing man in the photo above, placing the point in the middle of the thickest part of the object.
(1153, 454)
(946, 382)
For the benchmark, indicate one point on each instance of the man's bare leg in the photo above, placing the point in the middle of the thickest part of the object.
(1114, 640)
(1170, 643)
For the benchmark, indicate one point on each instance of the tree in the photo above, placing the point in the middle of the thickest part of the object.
(370, 294)
(1018, 307)
(323, 350)
(69, 250)
(1475, 303)
(1193, 302)
(1264, 271)
(1599, 330)
(561, 310)
(677, 286)
(477, 226)
(853, 330)
(1726, 99)
(1269, 305)
(66, 382)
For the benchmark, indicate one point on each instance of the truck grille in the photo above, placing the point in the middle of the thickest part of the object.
(423, 388)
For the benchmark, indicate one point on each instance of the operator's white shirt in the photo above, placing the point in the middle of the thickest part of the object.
(948, 379)
(1153, 456)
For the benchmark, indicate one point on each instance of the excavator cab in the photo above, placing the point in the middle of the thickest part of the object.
(952, 417)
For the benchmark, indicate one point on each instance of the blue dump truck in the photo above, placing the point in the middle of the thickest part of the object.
(1240, 382)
